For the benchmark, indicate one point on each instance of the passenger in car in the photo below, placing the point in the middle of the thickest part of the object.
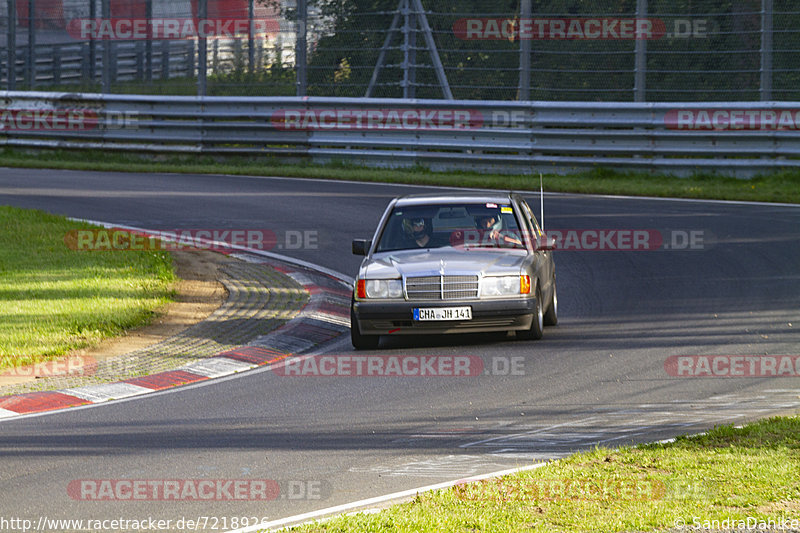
(492, 226)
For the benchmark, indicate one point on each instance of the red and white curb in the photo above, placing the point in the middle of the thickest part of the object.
(222, 364)
(324, 318)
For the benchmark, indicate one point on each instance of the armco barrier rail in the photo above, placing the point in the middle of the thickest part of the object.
(740, 138)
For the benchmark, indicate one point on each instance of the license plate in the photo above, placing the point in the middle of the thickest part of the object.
(443, 313)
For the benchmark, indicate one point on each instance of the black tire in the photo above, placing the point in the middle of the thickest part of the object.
(551, 316)
(537, 325)
(361, 342)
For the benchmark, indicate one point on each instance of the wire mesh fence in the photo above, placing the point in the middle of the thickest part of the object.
(567, 50)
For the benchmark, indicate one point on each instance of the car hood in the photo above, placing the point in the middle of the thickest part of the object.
(449, 261)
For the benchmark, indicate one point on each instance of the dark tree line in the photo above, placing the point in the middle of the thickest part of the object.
(711, 51)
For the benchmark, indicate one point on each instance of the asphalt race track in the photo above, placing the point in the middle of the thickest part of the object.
(715, 279)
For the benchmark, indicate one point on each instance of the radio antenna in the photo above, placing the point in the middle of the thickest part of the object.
(541, 199)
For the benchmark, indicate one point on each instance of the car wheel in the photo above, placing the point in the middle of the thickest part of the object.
(551, 316)
(537, 326)
(361, 342)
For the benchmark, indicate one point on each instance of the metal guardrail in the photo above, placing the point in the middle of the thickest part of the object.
(739, 138)
(59, 64)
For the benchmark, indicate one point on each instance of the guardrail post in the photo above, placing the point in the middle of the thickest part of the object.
(640, 69)
(300, 57)
(766, 50)
(202, 52)
(30, 65)
(11, 45)
(525, 47)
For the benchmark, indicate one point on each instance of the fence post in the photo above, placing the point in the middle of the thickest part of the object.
(56, 64)
(766, 50)
(640, 68)
(525, 47)
(92, 45)
(251, 52)
(31, 62)
(12, 45)
(113, 64)
(409, 50)
(260, 53)
(105, 13)
(300, 47)
(427, 32)
(148, 43)
(412, 53)
(141, 61)
(165, 58)
(202, 52)
(215, 56)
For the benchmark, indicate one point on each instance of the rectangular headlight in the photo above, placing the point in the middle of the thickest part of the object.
(384, 288)
(501, 285)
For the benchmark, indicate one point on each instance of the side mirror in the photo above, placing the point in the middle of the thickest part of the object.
(545, 243)
(361, 246)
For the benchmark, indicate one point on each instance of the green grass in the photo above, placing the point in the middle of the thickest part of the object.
(55, 299)
(728, 473)
(778, 187)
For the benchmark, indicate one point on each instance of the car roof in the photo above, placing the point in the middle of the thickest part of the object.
(445, 198)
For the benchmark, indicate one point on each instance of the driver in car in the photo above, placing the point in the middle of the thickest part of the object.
(419, 231)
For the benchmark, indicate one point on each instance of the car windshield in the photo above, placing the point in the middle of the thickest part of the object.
(483, 225)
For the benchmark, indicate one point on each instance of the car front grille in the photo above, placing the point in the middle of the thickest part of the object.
(442, 287)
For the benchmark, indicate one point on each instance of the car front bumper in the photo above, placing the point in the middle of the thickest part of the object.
(396, 318)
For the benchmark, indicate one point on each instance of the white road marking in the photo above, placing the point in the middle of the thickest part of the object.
(378, 500)
(449, 465)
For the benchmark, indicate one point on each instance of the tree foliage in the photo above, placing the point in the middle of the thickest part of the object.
(710, 51)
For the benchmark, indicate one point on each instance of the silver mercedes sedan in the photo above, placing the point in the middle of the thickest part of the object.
(459, 263)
